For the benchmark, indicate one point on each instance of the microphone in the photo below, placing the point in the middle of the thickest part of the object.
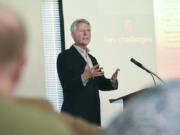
(142, 67)
(139, 65)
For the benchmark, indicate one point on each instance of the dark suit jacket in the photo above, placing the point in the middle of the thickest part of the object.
(79, 100)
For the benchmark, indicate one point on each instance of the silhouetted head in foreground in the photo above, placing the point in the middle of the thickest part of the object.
(12, 45)
(155, 111)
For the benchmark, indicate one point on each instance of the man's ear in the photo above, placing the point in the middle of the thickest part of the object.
(18, 69)
(73, 34)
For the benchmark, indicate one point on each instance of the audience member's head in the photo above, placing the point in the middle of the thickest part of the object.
(12, 45)
(153, 112)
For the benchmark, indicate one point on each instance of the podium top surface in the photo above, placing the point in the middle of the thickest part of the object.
(127, 96)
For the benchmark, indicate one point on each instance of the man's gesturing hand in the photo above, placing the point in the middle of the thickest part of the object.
(92, 72)
(114, 76)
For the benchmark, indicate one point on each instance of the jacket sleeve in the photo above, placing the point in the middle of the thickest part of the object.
(105, 84)
(65, 73)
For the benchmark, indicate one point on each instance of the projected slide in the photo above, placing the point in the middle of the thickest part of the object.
(146, 30)
(121, 30)
(126, 24)
(167, 18)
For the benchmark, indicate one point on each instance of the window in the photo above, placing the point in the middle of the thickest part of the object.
(52, 47)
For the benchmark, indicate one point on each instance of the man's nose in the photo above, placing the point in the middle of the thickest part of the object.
(85, 32)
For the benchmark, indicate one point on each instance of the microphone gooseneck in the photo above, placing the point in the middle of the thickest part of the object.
(147, 70)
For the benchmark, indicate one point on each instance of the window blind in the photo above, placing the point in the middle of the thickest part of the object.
(52, 47)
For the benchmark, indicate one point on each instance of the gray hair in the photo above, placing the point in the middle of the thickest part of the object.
(74, 24)
(153, 111)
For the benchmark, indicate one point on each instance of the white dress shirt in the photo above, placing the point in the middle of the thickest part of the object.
(84, 54)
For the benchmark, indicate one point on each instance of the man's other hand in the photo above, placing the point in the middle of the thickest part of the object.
(114, 76)
(92, 72)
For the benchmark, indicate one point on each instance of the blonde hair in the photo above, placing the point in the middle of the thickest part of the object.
(74, 24)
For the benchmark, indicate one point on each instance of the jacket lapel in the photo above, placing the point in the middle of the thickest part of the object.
(93, 60)
(80, 58)
(77, 55)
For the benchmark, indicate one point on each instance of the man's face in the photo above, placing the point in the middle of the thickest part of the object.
(82, 35)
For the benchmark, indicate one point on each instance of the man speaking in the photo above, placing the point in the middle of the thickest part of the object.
(81, 76)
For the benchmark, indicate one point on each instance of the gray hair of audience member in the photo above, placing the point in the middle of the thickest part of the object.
(12, 36)
(76, 22)
(155, 111)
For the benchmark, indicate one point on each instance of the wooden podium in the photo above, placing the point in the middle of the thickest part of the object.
(128, 97)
